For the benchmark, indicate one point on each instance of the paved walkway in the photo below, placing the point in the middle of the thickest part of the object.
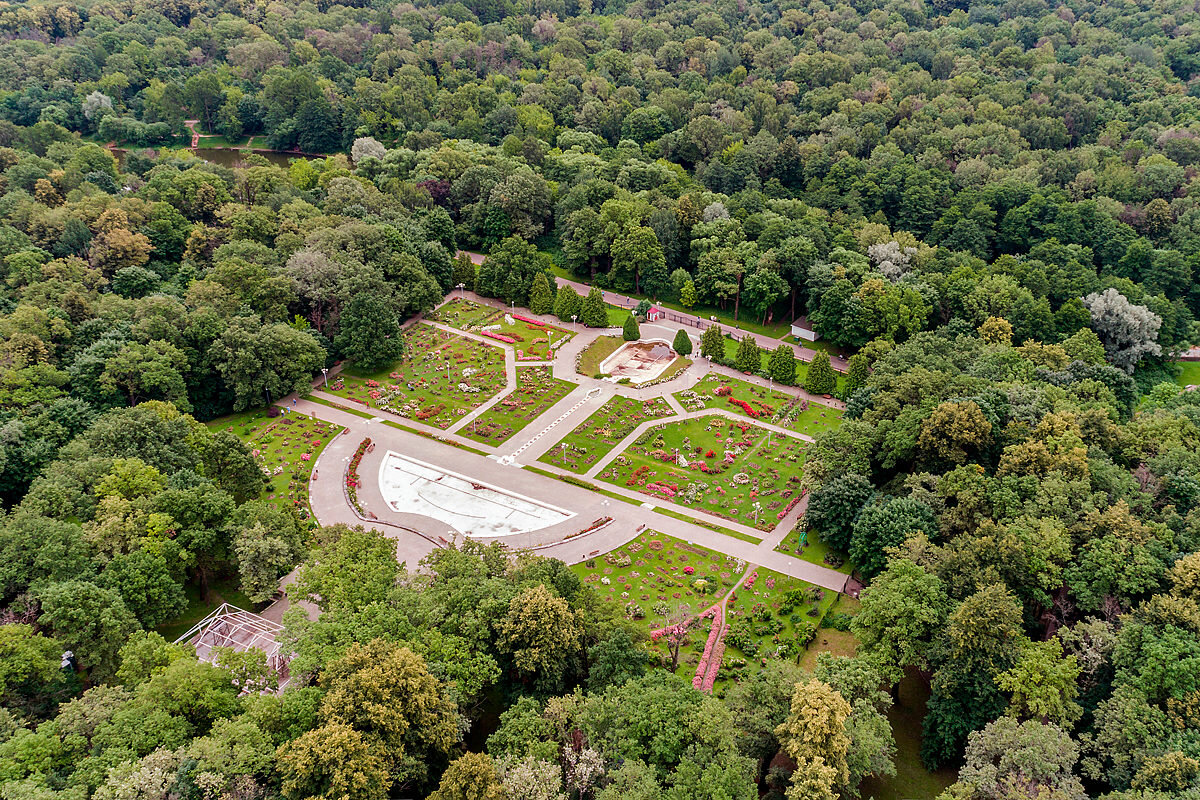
(416, 536)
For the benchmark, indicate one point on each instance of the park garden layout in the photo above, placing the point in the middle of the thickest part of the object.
(758, 402)
(285, 447)
(583, 447)
(441, 378)
(726, 468)
(660, 581)
(532, 339)
(537, 390)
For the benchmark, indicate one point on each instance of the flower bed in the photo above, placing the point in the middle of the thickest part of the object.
(442, 378)
(353, 481)
(725, 468)
(537, 339)
(771, 616)
(779, 407)
(537, 390)
(593, 438)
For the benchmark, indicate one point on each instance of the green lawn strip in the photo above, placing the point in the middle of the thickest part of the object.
(712, 526)
(591, 358)
(582, 484)
(778, 407)
(532, 340)
(815, 551)
(358, 412)
(426, 385)
(677, 366)
(1189, 373)
(771, 619)
(593, 438)
(285, 448)
(435, 437)
(537, 390)
(732, 468)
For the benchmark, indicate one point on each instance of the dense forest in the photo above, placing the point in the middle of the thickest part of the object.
(995, 205)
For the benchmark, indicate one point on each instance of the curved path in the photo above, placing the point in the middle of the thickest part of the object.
(631, 513)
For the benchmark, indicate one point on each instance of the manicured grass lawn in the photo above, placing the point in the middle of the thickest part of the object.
(536, 391)
(815, 551)
(1189, 374)
(677, 366)
(829, 640)
(616, 315)
(416, 387)
(530, 340)
(912, 781)
(771, 618)
(778, 407)
(285, 448)
(729, 470)
(602, 431)
(591, 358)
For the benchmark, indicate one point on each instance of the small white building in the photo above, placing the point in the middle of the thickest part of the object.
(801, 329)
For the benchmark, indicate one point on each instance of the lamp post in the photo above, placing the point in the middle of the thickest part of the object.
(325, 375)
(460, 288)
(573, 318)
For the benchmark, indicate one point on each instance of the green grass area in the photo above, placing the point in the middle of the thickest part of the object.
(773, 616)
(616, 315)
(829, 640)
(593, 438)
(285, 448)
(435, 437)
(730, 469)
(677, 366)
(745, 321)
(427, 385)
(912, 781)
(537, 390)
(731, 346)
(220, 591)
(656, 576)
(217, 141)
(1189, 373)
(814, 550)
(778, 407)
(592, 357)
(582, 484)
(531, 340)
(355, 411)
(703, 523)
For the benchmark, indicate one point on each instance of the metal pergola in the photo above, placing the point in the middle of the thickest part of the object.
(238, 630)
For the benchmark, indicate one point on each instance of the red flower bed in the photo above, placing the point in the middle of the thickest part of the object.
(500, 337)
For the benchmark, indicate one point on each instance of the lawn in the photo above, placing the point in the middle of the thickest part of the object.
(537, 390)
(728, 469)
(831, 640)
(285, 448)
(758, 402)
(591, 440)
(591, 358)
(531, 339)
(814, 550)
(1189, 373)
(417, 386)
(912, 781)
(773, 616)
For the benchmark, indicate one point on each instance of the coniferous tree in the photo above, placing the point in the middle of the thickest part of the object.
(749, 354)
(593, 314)
(712, 343)
(630, 331)
(567, 303)
(782, 364)
(821, 377)
(683, 343)
(541, 298)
